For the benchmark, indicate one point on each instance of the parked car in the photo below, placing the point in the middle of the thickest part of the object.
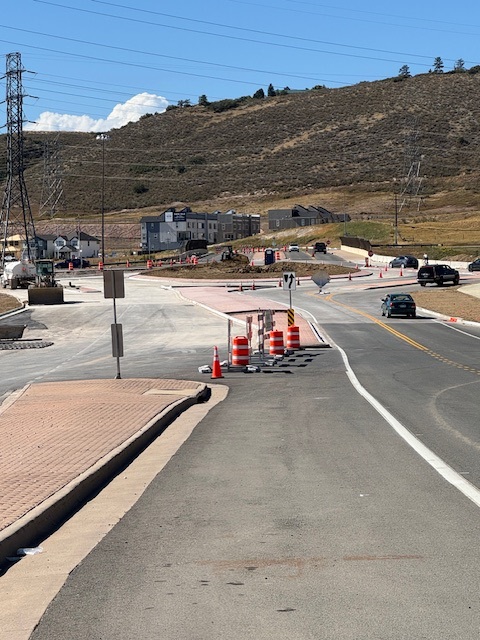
(398, 304)
(293, 246)
(474, 266)
(319, 247)
(404, 261)
(437, 274)
(76, 262)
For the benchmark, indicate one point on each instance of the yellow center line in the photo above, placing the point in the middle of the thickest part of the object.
(401, 336)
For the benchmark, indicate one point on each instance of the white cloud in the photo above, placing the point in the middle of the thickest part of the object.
(121, 114)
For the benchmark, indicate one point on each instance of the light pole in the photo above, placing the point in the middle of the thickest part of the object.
(395, 227)
(103, 137)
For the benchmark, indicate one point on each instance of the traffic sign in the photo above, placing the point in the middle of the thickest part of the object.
(291, 317)
(289, 281)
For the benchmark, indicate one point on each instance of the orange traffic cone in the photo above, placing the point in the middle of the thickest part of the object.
(253, 285)
(240, 288)
(401, 271)
(279, 283)
(381, 274)
(298, 282)
(349, 275)
(216, 368)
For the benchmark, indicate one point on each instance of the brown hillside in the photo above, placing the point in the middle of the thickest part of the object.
(341, 148)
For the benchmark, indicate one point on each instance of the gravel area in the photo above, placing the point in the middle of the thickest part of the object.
(450, 302)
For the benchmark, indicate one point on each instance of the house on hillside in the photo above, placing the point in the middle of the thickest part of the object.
(76, 245)
(85, 245)
(235, 226)
(46, 245)
(300, 216)
(172, 229)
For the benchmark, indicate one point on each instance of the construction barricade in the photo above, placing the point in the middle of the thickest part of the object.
(240, 351)
(293, 337)
(276, 346)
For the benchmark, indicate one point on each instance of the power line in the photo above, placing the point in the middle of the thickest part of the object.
(238, 38)
(387, 24)
(257, 31)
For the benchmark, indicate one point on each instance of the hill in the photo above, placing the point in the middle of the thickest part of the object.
(347, 149)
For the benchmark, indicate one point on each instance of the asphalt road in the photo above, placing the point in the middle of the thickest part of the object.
(164, 336)
(294, 510)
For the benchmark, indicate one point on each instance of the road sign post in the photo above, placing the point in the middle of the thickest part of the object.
(114, 287)
(289, 283)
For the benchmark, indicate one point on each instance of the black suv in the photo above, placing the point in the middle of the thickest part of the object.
(76, 263)
(437, 274)
(319, 247)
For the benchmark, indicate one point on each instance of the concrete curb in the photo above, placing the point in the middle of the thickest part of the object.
(41, 520)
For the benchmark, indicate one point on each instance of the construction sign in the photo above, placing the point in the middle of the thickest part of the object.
(291, 317)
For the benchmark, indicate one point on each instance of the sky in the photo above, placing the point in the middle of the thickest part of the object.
(95, 65)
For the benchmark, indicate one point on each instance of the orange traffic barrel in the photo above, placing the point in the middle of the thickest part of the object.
(70, 266)
(293, 337)
(240, 351)
(276, 343)
(100, 266)
(149, 264)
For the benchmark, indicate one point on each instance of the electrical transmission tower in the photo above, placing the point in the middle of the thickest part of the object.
(16, 221)
(52, 186)
(411, 183)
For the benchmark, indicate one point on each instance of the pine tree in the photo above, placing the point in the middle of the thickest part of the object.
(404, 72)
(438, 65)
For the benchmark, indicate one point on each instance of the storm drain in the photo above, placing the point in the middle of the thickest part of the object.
(15, 345)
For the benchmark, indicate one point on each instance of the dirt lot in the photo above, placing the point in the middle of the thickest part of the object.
(238, 268)
(449, 302)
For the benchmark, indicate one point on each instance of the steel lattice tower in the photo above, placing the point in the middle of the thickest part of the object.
(412, 181)
(52, 186)
(16, 216)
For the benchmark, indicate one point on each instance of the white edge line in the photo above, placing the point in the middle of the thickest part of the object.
(449, 474)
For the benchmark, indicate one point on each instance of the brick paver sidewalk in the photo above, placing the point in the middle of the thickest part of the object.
(53, 432)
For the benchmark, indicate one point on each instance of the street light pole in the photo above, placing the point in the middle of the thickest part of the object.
(103, 137)
(396, 222)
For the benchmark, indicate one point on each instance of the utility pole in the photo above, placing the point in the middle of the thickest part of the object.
(16, 216)
(395, 227)
(103, 137)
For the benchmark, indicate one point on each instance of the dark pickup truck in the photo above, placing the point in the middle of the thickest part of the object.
(319, 247)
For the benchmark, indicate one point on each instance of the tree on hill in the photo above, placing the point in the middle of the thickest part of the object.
(459, 66)
(259, 95)
(404, 72)
(271, 91)
(203, 101)
(438, 65)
